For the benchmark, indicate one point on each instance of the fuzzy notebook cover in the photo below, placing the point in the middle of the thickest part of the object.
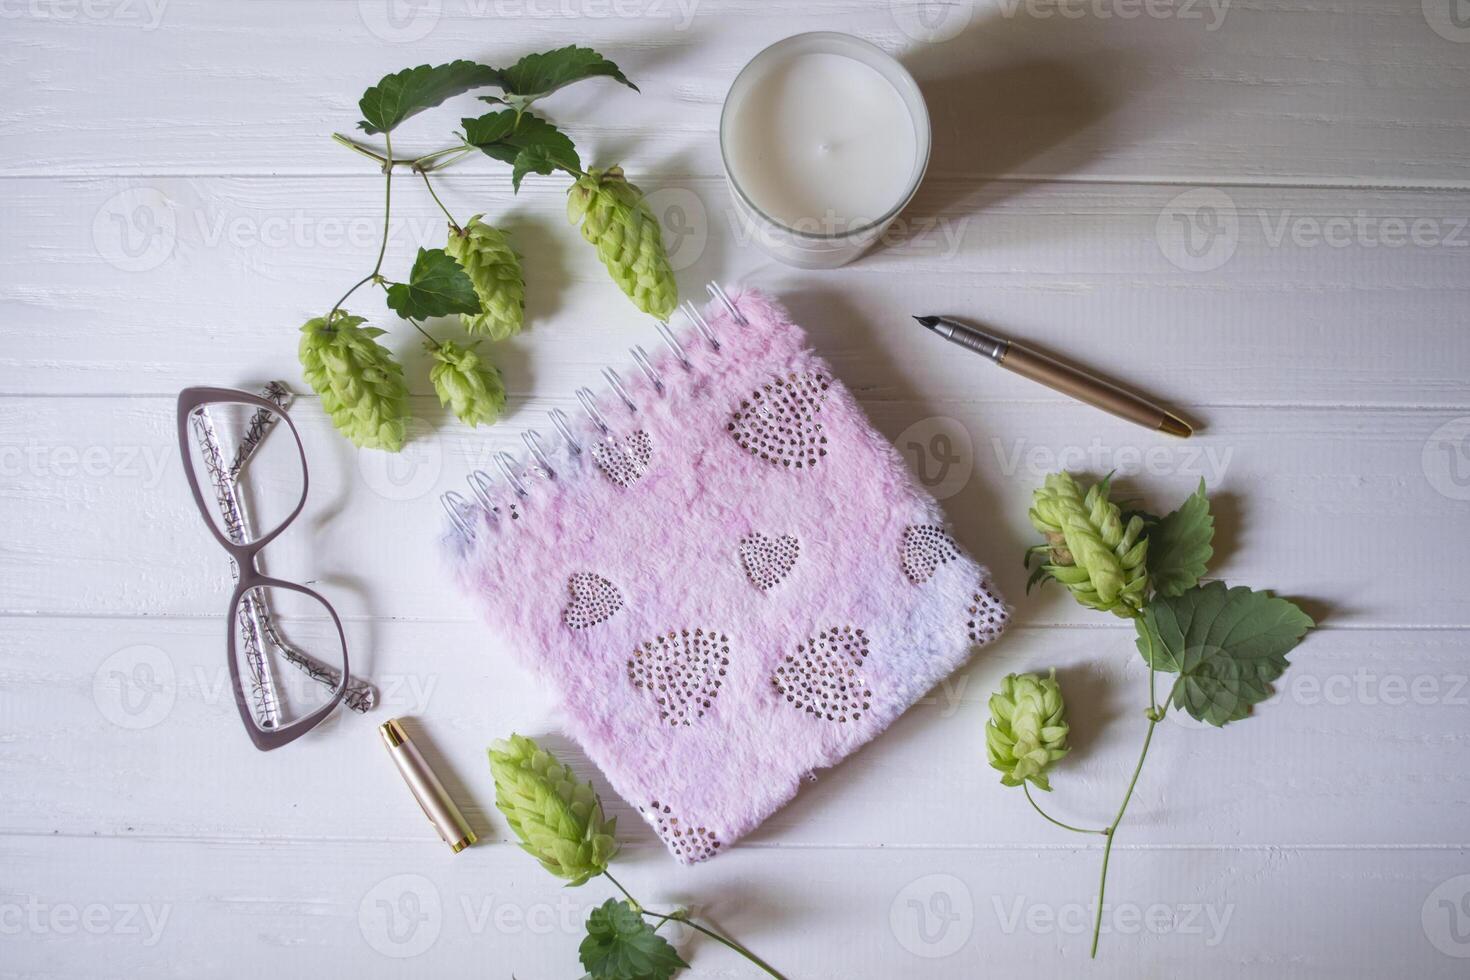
(737, 586)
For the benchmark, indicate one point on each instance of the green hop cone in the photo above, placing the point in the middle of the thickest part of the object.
(360, 384)
(1027, 731)
(469, 385)
(615, 218)
(494, 267)
(1093, 553)
(558, 819)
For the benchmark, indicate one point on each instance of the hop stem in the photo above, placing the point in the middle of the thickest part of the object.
(1049, 818)
(730, 943)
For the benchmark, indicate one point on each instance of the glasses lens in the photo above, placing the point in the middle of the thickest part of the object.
(290, 655)
(249, 466)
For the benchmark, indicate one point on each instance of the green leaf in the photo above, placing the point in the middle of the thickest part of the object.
(1226, 645)
(620, 945)
(1179, 548)
(538, 75)
(527, 142)
(437, 286)
(413, 90)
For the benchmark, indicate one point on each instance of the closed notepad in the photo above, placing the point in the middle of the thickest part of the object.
(735, 586)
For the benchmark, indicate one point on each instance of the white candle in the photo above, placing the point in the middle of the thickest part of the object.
(825, 139)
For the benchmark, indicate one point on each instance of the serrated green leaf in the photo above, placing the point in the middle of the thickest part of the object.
(538, 75)
(620, 945)
(404, 93)
(437, 286)
(527, 142)
(1179, 546)
(1227, 646)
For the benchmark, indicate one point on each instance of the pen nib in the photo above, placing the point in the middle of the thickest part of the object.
(927, 321)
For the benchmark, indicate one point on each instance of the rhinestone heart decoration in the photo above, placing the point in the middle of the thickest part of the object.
(925, 548)
(768, 560)
(682, 671)
(778, 421)
(987, 615)
(689, 844)
(624, 463)
(594, 600)
(822, 676)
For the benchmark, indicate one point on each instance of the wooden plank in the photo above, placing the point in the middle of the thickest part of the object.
(1358, 92)
(1335, 507)
(127, 728)
(1292, 296)
(335, 908)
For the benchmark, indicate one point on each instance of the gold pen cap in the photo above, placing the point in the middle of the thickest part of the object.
(425, 786)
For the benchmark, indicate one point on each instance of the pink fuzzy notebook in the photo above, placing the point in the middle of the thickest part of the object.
(736, 584)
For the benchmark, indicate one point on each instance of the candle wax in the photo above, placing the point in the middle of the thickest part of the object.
(822, 143)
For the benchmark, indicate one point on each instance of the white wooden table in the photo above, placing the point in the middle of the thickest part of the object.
(1256, 211)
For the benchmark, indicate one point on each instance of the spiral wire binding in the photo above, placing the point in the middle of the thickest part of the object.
(464, 514)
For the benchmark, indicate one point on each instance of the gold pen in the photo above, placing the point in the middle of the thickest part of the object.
(426, 788)
(1058, 376)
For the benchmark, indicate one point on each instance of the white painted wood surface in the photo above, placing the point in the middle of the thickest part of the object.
(1321, 337)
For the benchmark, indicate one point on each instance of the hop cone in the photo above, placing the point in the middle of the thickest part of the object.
(616, 219)
(470, 386)
(1027, 731)
(360, 384)
(1093, 553)
(494, 267)
(558, 819)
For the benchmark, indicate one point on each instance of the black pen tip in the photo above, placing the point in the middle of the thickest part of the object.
(927, 321)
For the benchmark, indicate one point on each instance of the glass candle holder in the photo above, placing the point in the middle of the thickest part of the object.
(824, 139)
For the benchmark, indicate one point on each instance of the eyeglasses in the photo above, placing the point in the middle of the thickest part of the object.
(276, 705)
